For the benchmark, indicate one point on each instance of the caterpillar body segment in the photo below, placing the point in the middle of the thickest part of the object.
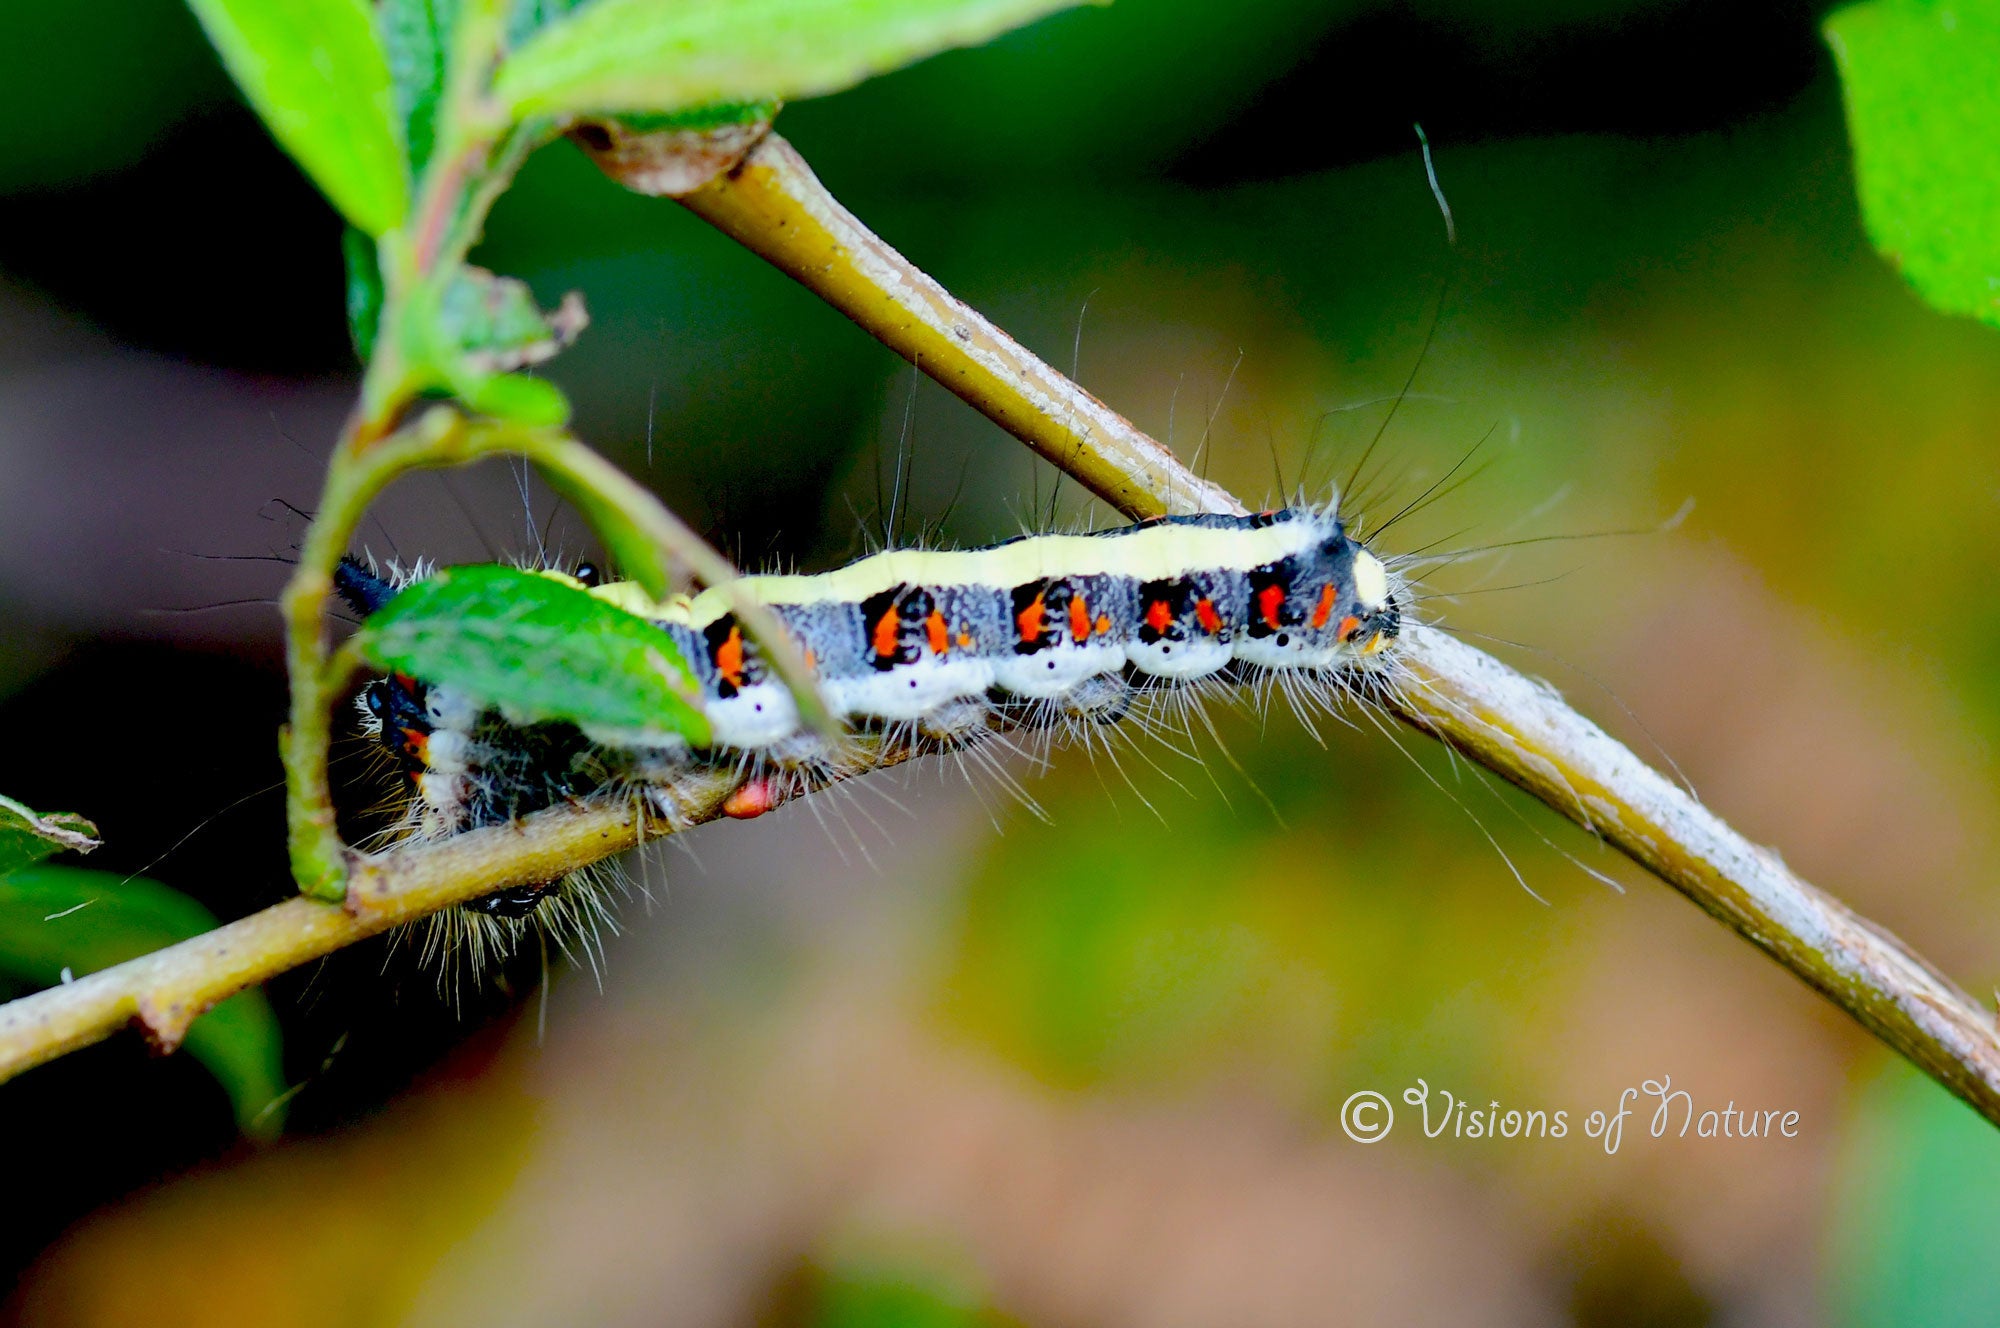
(939, 648)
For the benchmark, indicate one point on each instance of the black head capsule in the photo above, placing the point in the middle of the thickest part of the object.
(589, 574)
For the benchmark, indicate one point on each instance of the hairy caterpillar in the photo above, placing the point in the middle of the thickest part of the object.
(1048, 632)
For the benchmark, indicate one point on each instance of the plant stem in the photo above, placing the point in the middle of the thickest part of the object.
(167, 990)
(1517, 728)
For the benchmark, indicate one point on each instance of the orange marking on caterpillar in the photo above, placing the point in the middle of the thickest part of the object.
(1211, 621)
(937, 632)
(751, 799)
(1103, 624)
(729, 657)
(1324, 609)
(884, 637)
(964, 638)
(1029, 620)
(1269, 601)
(812, 660)
(419, 743)
(1079, 619)
(1158, 616)
(1348, 627)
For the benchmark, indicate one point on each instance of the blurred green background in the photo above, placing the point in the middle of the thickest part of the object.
(912, 1054)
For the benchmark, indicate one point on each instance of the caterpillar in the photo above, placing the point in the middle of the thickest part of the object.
(1057, 633)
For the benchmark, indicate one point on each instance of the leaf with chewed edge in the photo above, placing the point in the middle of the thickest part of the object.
(540, 649)
(59, 923)
(27, 836)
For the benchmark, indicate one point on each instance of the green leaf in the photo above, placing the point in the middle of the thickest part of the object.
(540, 649)
(519, 398)
(364, 291)
(669, 55)
(27, 836)
(58, 923)
(316, 73)
(1922, 83)
(416, 40)
(486, 326)
(494, 324)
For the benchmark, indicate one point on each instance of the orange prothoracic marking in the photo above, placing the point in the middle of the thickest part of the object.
(1211, 621)
(1158, 616)
(939, 635)
(1079, 620)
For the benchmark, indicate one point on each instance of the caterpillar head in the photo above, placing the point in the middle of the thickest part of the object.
(1378, 614)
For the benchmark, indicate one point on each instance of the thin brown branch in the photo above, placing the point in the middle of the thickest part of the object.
(1518, 728)
(166, 991)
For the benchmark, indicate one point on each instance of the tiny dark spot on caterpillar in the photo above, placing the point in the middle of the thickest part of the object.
(594, 137)
(1284, 639)
(590, 574)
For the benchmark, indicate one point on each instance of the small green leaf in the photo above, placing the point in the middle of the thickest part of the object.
(316, 73)
(1922, 84)
(520, 399)
(540, 649)
(416, 40)
(669, 55)
(26, 836)
(364, 291)
(495, 325)
(58, 923)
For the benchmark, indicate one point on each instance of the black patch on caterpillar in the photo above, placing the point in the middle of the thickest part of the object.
(731, 658)
(1273, 605)
(895, 618)
(1036, 631)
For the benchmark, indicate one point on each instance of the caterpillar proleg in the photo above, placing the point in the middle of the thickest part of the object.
(944, 647)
